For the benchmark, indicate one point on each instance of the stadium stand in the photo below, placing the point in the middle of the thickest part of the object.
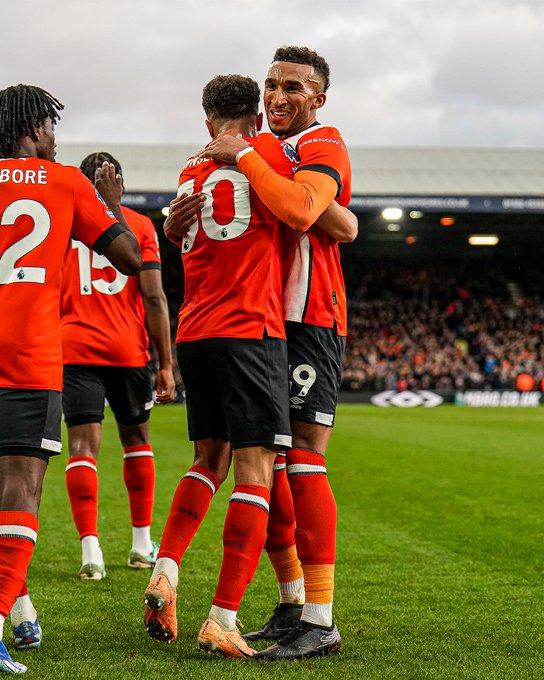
(467, 323)
(459, 324)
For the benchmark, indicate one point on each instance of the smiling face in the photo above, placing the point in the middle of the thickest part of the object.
(292, 95)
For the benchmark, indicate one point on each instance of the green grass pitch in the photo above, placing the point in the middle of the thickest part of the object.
(440, 556)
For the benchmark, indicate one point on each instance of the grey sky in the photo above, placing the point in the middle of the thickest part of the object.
(404, 72)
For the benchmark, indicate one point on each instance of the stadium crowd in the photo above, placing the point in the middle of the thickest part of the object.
(471, 323)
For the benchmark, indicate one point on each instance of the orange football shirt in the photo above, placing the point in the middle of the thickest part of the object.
(231, 255)
(314, 290)
(102, 311)
(42, 206)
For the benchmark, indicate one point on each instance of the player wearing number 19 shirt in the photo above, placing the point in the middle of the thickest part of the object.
(105, 353)
(42, 206)
(315, 312)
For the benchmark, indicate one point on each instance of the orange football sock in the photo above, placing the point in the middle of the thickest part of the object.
(18, 533)
(139, 477)
(319, 583)
(286, 564)
(82, 486)
(189, 507)
(244, 536)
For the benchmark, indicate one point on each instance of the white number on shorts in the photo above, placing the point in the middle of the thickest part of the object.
(86, 264)
(304, 376)
(234, 182)
(9, 273)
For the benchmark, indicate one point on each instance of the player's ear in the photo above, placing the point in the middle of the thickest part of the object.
(210, 127)
(319, 100)
(259, 122)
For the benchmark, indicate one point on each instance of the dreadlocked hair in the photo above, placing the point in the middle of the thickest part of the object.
(22, 109)
(304, 55)
(93, 161)
(231, 97)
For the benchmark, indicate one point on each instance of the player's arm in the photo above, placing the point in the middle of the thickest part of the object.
(298, 202)
(158, 322)
(339, 223)
(123, 251)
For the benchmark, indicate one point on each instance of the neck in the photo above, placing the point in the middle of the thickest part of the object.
(246, 126)
(299, 130)
(27, 148)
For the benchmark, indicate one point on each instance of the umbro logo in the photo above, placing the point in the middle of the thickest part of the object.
(327, 638)
(296, 400)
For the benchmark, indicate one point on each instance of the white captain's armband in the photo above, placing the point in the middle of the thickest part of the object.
(243, 153)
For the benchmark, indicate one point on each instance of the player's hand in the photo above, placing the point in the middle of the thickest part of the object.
(108, 184)
(183, 211)
(165, 386)
(224, 148)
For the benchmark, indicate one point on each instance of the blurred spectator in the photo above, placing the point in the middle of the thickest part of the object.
(468, 324)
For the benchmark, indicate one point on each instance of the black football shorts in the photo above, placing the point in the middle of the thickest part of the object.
(315, 369)
(129, 392)
(30, 423)
(236, 390)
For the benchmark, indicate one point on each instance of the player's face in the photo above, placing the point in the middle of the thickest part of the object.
(45, 140)
(292, 95)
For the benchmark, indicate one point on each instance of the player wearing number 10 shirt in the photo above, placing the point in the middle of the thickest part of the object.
(232, 356)
(42, 206)
(231, 256)
(315, 312)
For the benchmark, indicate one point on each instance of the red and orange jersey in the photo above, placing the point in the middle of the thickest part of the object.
(102, 311)
(42, 206)
(231, 255)
(314, 291)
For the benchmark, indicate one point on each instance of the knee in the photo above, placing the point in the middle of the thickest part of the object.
(214, 455)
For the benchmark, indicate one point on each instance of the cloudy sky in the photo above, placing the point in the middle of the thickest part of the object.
(404, 72)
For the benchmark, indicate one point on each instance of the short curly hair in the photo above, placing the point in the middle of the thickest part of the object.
(304, 55)
(231, 97)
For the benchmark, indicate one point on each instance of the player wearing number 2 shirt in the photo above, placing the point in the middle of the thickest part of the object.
(42, 206)
(105, 352)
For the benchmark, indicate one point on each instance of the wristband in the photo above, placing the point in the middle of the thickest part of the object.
(243, 153)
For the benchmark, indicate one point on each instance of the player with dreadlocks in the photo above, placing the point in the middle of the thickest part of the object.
(22, 109)
(42, 206)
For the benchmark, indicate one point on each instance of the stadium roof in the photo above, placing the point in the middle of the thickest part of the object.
(485, 191)
(377, 172)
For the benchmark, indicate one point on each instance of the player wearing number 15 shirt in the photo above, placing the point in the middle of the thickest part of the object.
(105, 354)
(103, 315)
